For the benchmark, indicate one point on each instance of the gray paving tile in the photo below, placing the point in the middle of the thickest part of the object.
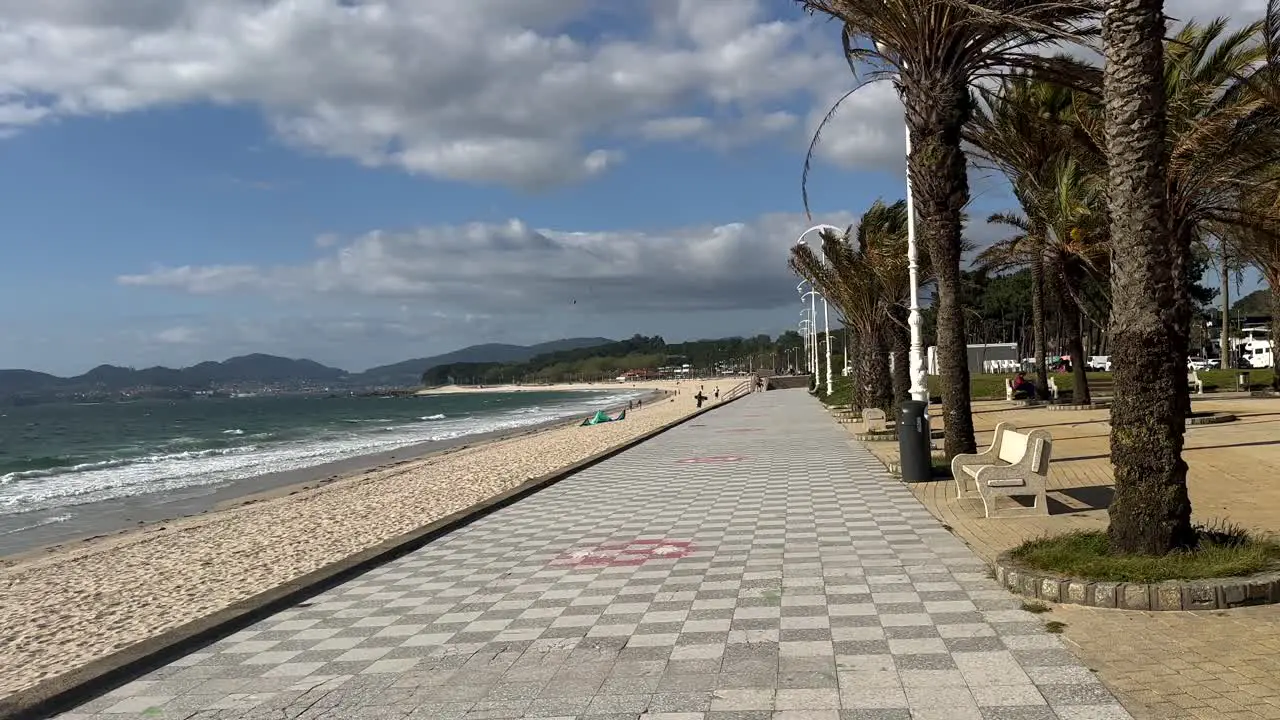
(801, 580)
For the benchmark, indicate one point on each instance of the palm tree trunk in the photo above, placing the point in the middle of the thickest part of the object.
(1273, 282)
(1224, 360)
(875, 384)
(856, 343)
(936, 112)
(1080, 395)
(1150, 512)
(1040, 330)
(899, 342)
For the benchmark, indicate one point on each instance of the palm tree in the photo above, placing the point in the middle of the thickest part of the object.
(1260, 247)
(888, 224)
(1065, 233)
(1150, 512)
(847, 279)
(936, 50)
(1220, 141)
(1020, 128)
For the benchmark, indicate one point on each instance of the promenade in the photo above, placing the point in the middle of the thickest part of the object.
(753, 563)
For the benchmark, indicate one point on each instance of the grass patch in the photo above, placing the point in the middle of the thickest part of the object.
(1223, 551)
(1225, 380)
(841, 391)
(1055, 626)
(1035, 606)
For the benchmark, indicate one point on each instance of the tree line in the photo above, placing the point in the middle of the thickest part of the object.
(606, 362)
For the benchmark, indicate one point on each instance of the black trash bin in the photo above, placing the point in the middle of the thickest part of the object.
(914, 444)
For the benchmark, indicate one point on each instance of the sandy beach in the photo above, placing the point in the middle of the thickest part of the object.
(66, 607)
(668, 385)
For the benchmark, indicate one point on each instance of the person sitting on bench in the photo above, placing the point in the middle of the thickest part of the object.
(1023, 389)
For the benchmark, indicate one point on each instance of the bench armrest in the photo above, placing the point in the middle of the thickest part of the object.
(960, 462)
(1021, 471)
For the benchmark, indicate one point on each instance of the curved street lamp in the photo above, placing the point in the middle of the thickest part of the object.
(806, 330)
(813, 296)
(826, 320)
(811, 347)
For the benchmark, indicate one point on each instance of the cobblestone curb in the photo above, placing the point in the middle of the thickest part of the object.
(886, 436)
(895, 469)
(1213, 594)
(1210, 419)
(1068, 406)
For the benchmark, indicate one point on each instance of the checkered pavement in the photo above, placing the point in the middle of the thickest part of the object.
(778, 573)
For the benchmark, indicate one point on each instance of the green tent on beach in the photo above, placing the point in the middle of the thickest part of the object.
(602, 417)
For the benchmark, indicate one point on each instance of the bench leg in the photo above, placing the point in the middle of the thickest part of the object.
(1041, 506)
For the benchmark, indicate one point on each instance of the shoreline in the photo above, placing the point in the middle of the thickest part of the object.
(142, 513)
(67, 609)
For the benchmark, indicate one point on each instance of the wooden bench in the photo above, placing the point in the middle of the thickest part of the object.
(873, 419)
(1016, 465)
(1194, 381)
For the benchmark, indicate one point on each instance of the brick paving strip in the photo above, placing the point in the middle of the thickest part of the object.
(1204, 665)
(781, 575)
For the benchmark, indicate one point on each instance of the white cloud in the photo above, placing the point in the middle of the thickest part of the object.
(178, 335)
(675, 128)
(488, 91)
(514, 268)
(517, 92)
(867, 129)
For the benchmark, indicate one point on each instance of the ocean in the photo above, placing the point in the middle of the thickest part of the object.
(59, 461)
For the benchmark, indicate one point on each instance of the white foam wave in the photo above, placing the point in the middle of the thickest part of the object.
(50, 520)
(233, 431)
(95, 482)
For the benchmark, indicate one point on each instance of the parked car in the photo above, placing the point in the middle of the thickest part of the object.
(1199, 363)
(1099, 363)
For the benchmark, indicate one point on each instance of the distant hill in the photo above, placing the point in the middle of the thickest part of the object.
(256, 368)
(409, 372)
(259, 368)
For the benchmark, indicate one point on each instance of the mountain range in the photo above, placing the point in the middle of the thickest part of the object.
(271, 369)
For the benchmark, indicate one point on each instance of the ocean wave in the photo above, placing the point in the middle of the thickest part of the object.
(233, 431)
(121, 462)
(50, 520)
(190, 462)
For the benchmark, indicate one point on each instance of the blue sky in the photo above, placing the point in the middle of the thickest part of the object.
(363, 183)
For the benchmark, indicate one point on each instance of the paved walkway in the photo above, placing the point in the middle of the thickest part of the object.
(1162, 665)
(751, 564)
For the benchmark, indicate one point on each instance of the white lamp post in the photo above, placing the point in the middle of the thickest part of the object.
(826, 324)
(806, 332)
(919, 390)
(812, 347)
(817, 366)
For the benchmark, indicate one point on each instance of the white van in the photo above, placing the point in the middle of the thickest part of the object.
(1257, 353)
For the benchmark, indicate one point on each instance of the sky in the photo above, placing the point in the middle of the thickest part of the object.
(361, 182)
